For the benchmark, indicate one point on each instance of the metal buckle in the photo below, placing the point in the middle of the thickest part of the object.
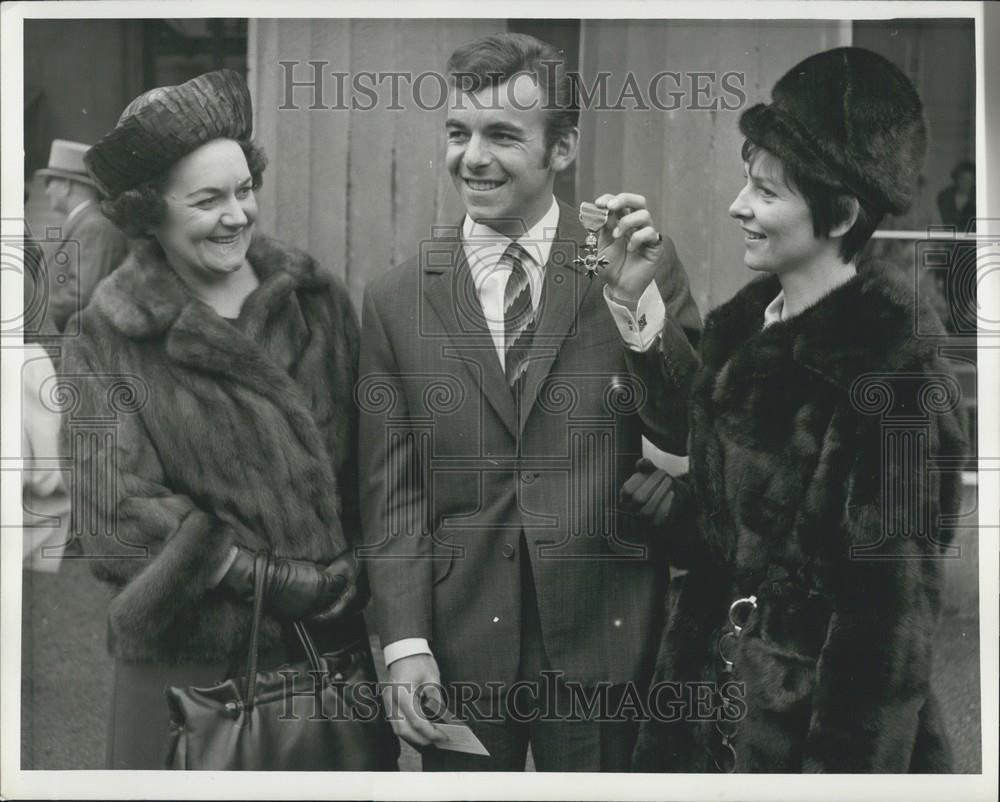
(728, 758)
(746, 605)
(727, 663)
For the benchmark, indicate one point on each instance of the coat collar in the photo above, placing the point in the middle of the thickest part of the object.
(867, 324)
(145, 297)
(88, 212)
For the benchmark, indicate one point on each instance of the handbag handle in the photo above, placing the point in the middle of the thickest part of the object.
(261, 561)
(312, 653)
(260, 565)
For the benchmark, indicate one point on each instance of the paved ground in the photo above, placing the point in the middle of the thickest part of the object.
(66, 675)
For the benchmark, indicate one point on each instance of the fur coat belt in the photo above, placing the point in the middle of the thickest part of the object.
(240, 432)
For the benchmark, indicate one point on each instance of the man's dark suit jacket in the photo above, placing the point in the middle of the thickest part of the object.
(451, 472)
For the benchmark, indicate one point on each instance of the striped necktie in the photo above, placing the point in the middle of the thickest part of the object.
(518, 318)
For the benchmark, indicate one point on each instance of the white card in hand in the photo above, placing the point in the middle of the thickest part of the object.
(460, 737)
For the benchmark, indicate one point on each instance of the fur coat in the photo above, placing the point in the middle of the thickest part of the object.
(810, 443)
(220, 432)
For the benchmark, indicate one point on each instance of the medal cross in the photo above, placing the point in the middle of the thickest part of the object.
(591, 260)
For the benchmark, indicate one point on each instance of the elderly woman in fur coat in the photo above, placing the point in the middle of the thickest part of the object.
(810, 521)
(240, 353)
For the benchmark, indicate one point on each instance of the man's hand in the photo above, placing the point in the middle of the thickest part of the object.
(413, 680)
(631, 244)
(648, 494)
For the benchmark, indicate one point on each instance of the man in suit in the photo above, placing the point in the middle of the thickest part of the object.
(498, 423)
(90, 246)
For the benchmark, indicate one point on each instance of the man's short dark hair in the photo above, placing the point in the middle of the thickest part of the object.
(829, 206)
(494, 60)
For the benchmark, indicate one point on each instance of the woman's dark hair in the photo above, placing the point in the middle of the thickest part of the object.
(138, 210)
(495, 60)
(828, 206)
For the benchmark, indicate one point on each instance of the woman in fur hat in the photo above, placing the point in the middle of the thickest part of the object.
(809, 521)
(238, 355)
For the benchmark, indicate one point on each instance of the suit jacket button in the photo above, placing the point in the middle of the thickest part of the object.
(527, 477)
(508, 550)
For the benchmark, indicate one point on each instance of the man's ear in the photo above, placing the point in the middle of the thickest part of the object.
(564, 150)
(850, 208)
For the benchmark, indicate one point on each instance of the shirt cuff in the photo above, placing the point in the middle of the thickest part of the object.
(639, 329)
(407, 647)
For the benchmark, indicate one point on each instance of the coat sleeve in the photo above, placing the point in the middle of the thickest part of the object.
(395, 512)
(340, 427)
(667, 369)
(157, 547)
(873, 673)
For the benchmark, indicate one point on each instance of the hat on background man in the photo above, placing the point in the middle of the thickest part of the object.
(66, 161)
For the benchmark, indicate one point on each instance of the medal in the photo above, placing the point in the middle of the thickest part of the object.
(592, 219)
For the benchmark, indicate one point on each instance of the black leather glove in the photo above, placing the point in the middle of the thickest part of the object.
(298, 589)
(648, 494)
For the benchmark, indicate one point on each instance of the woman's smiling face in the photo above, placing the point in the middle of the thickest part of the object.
(210, 212)
(778, 231)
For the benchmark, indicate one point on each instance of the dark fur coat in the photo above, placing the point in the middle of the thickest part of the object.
(238, 432)
(808, 445)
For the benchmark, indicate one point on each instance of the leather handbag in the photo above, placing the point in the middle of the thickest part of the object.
(324, 714)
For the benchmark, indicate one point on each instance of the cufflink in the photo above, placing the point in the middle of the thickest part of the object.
(642, 322)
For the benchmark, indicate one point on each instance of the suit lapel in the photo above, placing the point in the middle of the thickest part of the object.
(449, 289)
(564, 289)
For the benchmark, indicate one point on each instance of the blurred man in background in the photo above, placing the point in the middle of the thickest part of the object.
(90, 246)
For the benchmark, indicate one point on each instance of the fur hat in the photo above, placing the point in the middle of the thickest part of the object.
(849, 119)
(164, 124)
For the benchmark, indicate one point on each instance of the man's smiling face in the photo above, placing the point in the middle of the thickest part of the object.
(497, 156)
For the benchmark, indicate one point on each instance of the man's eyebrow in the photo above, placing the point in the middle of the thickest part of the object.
(451, 122)
(505, 126)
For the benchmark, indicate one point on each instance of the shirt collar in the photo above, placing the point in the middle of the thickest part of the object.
(775, 310)
(77, 209)
(484, 246)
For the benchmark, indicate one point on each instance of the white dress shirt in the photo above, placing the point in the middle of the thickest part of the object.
(484, 248)
(641, 328)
